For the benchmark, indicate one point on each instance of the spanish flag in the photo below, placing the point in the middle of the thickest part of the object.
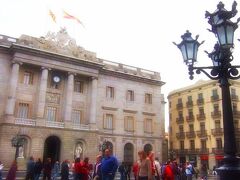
(68, 16)
(52, 16)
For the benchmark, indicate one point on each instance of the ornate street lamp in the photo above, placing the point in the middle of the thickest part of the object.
(222, 70)
(17, 141)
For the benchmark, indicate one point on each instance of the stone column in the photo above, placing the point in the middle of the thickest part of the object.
(69, 98)
(42, 93)
(12, 89)
(93, 103)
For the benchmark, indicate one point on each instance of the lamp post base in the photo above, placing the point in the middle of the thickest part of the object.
(230, 170)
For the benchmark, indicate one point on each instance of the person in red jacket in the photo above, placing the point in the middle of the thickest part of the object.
(168, 172)
(78, 169)
(135, 170)
(85, 168)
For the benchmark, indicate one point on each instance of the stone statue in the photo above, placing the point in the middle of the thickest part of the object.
(21, 152)
(78, 151)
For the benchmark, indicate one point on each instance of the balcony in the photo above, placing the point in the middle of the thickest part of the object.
(189, 103)
(216, 114)
(179, 105)
(55, 124)
(201, 117)
(193, 151)
(217, 150)
(180, 120)
(234, 97)
(200, 101)
(81, 126)
(203, 151)
(202, 133)
(215, 97)
(190, 134)
(190, 118)
(27, 122)
(180, 135)
(181, 151)
(236, 114)
(217, 132)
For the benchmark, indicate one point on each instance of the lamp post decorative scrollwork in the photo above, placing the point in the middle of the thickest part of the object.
(17, 142)
(222, 70)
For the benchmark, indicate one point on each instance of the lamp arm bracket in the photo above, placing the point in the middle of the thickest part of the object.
(203, 70)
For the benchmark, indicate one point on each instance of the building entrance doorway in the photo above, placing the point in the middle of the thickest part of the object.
(52, 148)
(128, 153)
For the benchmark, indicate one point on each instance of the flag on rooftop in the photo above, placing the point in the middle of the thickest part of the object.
(68, 16)
(53, 16)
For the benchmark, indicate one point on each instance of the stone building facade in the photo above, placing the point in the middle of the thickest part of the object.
(65, 102)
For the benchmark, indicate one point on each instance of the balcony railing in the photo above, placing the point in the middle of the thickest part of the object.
(201, 117)
(189, 103)
(217, 131)
(181, 151)
(215, 98)
(234, 97)
(202, 133)
(180, 120)
(216, 114)
(81, 126)
(203, 151)
(200, 101)
(179, 105)
(55, 124)
(180, 135)
(217, 150)
(190, 118)
(236, 114)
(27, 122)
(191, 134)
(193, 151)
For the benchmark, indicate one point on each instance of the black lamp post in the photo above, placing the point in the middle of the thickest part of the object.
(222, 70)
(17, 141)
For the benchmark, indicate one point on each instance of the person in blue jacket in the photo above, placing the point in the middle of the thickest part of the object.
(109, 166)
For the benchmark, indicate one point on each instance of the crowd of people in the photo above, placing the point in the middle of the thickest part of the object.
(147, 167)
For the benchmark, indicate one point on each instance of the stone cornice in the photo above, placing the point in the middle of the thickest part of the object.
(149, 114)
(129, 111)
(109, 108)
(131, 77)
(51, 55)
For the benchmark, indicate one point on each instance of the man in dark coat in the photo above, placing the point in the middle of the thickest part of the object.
(30, 169)
(65, 170)
(47, 169)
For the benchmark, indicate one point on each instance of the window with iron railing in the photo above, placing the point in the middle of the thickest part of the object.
(23, 110)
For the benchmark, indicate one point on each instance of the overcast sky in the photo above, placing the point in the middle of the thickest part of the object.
(135, 32)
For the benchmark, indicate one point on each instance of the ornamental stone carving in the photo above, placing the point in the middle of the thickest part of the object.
(52, 98)
(59, 42)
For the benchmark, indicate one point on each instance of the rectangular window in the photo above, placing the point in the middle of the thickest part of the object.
(201, 110)
(216, 108)
(214, 92)
(129, 123)
(182, 145)
(189, 98)
(51, 113)
(76, 116)
(148, 98)
(203, 144)
(130, 95)
(110, 92)
(234, 107)
(23, 110)
(108, 121)
(191, 127)
(233, 91)
(219, 143)
(148, 125)
(78, 86)
(192, 144)
(202, 126)
(27, 78)
(217, 125)
(181, 129)
(179, 100)
(200, 96)
(190, 112)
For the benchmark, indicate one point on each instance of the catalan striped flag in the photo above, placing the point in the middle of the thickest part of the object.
(53, 16)
(68, 16)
